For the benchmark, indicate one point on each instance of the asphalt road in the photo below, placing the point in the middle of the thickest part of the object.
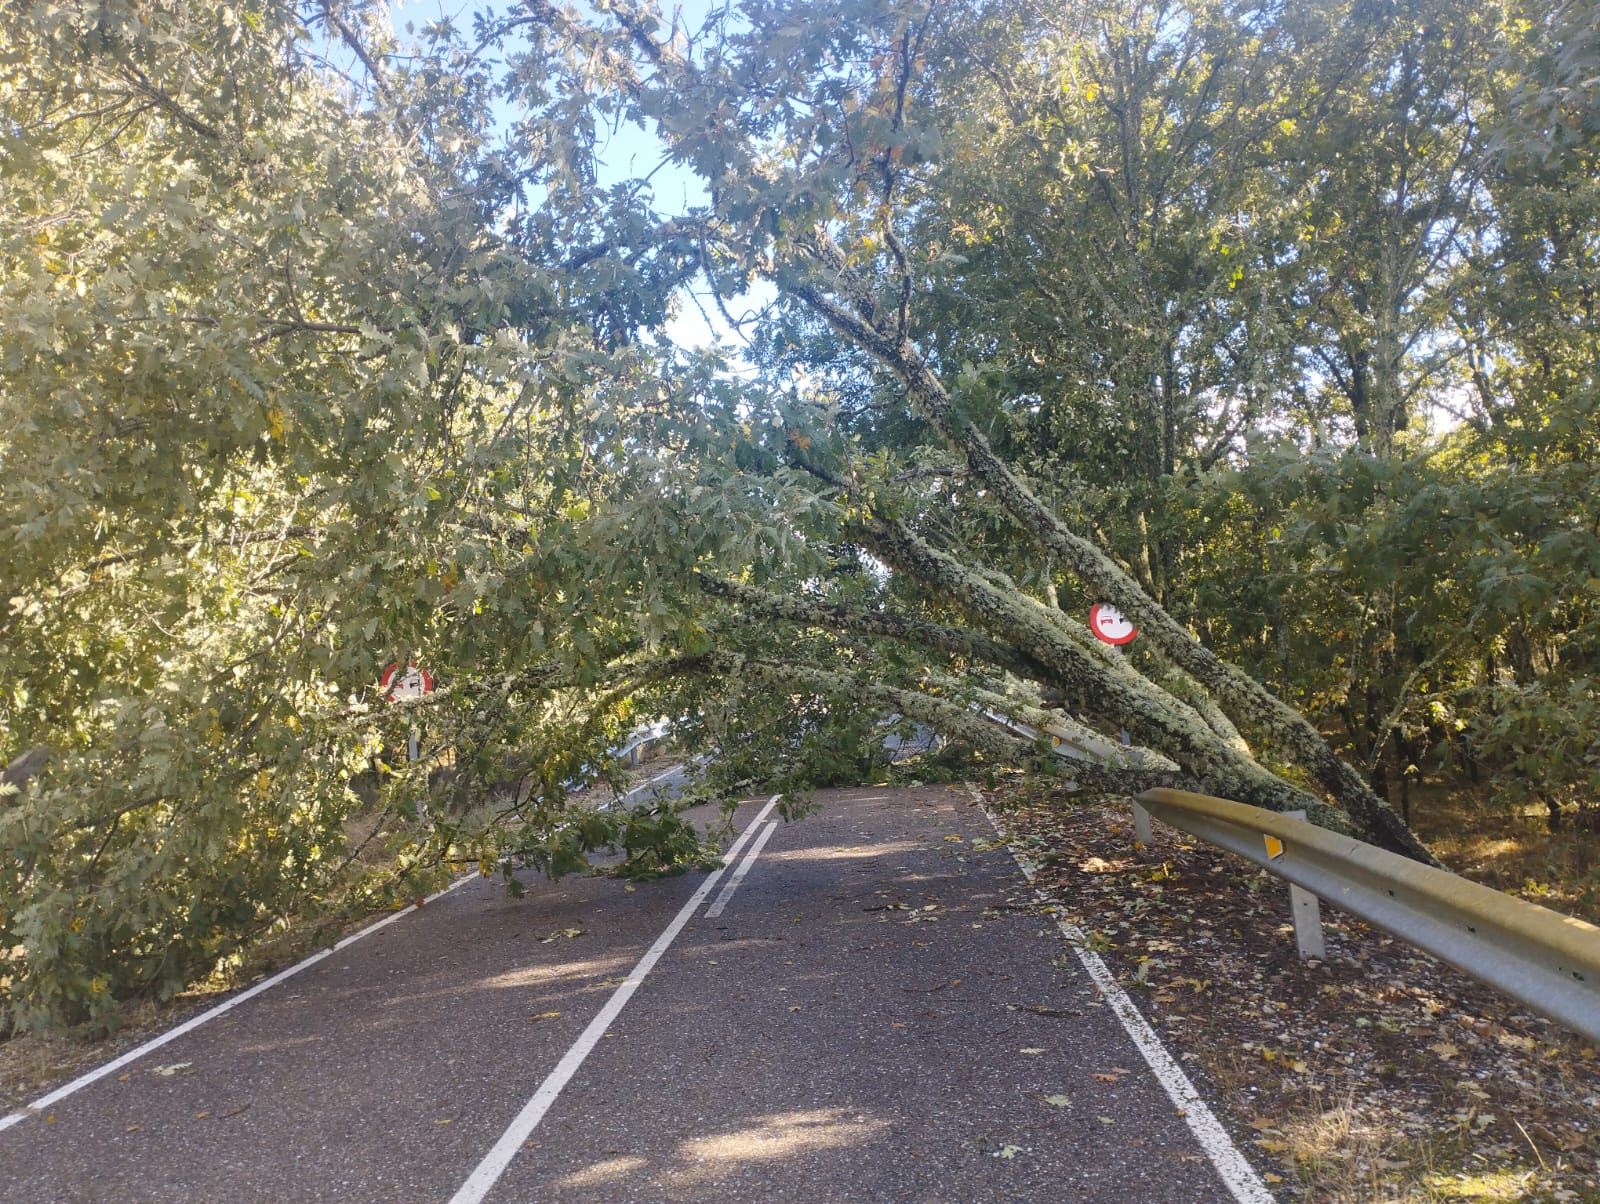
(874, 1012)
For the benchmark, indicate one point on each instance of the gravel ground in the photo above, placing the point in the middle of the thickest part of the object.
(1379, 1074)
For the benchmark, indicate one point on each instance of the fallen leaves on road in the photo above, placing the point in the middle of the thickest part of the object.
(169, 1071)
(954, 982)
(1040, 1009)
(564, 934)
(1058, 1101)
(545, 1016)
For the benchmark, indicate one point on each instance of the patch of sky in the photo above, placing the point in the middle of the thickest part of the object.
(633, 156)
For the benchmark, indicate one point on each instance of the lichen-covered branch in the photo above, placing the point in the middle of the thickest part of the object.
(1250, 702)
(816, 612)
(1181, 738)
(953, 720)
(1092, 681)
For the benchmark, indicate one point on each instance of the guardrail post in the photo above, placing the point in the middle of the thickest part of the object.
(1141, 823)
(1545, 960)
(1306, 911)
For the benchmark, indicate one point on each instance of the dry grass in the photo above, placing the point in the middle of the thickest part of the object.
(33, 1063)
(1513, 849)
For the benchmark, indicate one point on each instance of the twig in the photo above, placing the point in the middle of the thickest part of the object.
(1531, 1146)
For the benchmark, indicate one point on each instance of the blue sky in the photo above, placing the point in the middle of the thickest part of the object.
(626, 153)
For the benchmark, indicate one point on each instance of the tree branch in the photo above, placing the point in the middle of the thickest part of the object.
(348, 37)
(1252, 701)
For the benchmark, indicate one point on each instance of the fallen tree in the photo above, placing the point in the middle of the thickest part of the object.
(315, 375)
(815, 181)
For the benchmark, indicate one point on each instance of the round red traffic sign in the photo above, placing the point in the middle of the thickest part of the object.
(399, 685)
(1107, 623)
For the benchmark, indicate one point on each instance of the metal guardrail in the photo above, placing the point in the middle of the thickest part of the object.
(1547, 961)
(1066, 744)
(642, 740)
(639, 743)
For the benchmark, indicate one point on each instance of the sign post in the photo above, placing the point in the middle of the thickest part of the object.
(404, 686)
(1110, 626)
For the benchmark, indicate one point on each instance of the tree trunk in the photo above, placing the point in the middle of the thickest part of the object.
(1251, 704)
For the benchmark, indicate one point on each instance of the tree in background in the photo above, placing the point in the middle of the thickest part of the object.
(321, 356)
(275, 344)
(816, 180)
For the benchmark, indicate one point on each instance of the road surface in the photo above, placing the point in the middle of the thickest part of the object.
(862, 1006)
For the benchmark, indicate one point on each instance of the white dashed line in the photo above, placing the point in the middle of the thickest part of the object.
(494, 1163)
(1231, 1165)
(715, 909)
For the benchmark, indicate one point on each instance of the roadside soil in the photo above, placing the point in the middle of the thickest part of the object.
(34, 1063)
(1379, 1074)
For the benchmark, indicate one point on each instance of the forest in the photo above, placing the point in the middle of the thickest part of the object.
(329, 346)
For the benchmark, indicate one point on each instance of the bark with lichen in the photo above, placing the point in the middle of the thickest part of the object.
(820, 278)
(1159, 722)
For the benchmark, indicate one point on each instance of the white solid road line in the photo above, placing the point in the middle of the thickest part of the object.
(715, 909)
(660, 777)
(194, 1022)
(494, 1163)
(1231, 1165)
